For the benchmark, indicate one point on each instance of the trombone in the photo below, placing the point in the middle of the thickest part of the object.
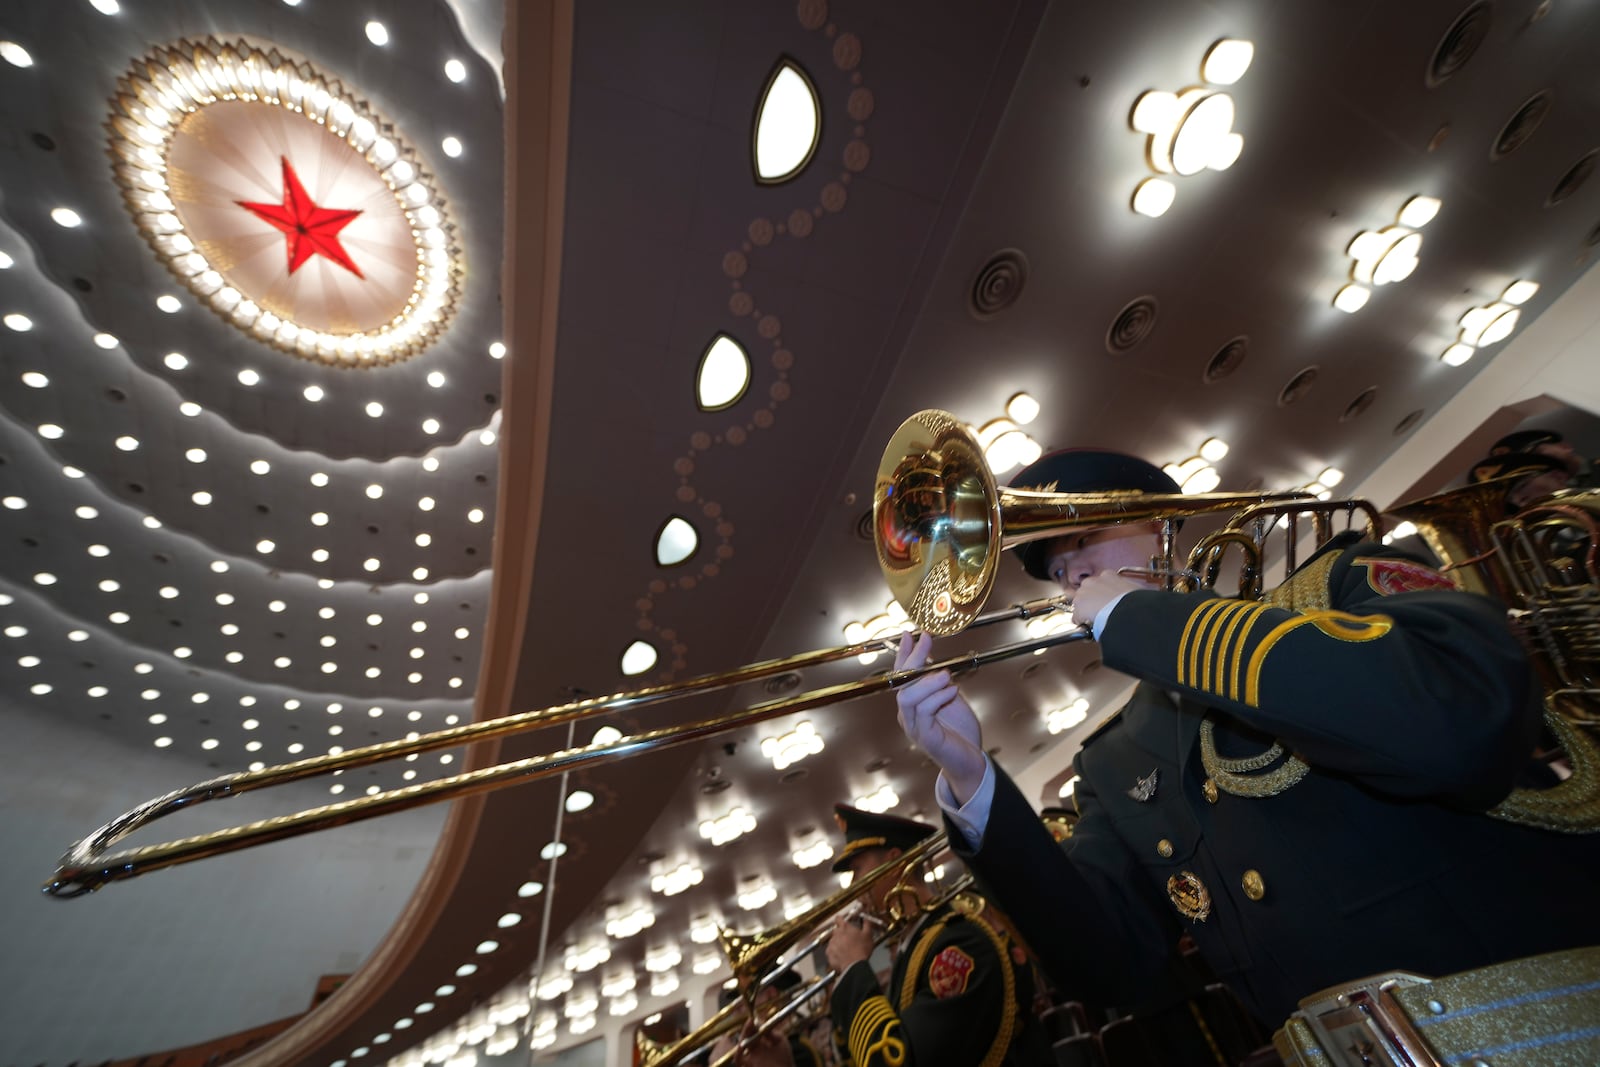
(758, 959)
(940, 524)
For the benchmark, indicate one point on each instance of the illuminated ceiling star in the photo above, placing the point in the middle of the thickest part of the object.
(311, 230)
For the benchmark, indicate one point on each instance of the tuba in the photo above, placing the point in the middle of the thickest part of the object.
(1540, 563)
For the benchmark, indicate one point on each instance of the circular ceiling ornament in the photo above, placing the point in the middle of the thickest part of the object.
(1229, 358)
(284, 202)
(1459, 43)
(1521, 125)
(1132, 325)
(999, 283)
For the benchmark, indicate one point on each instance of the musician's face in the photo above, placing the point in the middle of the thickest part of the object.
(1078, 555)
(864, 862)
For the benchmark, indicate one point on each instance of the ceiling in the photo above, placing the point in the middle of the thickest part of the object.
(962, 234)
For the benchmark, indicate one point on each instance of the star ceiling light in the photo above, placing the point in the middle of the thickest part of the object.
(1491, 323)
(792, 747)
(680, 878)
(1382, 257)
(219, 145)
(1191, 130)
(891, 623)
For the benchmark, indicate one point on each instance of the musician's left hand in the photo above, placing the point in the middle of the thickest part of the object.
(848, 944)
(771, 1049)
(1097, 591)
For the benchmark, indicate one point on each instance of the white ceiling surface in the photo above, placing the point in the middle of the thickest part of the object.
(1336, 121)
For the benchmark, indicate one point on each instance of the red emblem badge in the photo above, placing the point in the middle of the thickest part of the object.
(948, 973)
(1391, 576)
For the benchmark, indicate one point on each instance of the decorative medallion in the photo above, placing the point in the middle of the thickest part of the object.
(1390, 576)
(1189, 895)
(284, 202)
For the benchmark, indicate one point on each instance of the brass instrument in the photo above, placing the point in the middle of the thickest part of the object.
(940, 525)
(757, 959)
(1541, 563)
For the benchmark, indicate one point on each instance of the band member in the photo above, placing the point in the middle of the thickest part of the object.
(1301, 783)
(959, 993)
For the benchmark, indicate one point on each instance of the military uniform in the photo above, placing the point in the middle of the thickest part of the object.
(960, 993)
(1300, 784)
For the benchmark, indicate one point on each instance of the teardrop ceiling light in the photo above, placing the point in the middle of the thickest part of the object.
(639, 657)
(724, 374)
(788, 124)
(675, 542)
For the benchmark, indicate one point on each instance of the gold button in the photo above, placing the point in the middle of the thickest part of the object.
(1165, 848)
(1254, 887)
(1209, 788)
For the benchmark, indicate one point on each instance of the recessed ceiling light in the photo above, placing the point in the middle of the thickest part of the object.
(16, 631)
(189, 408)
(19, 323)
(201, 497)
(65, 216)
(86, 511)
(264, 546)
(5, 261)
(377, 34)
(419, 598)
(219, 566)
(260, 466)
(127, 444)
(451, 146)
(319, 479)
(119, 617)
(475, 515)
(419, 574)
(169, 592)
(106, 340)
(51, 431)
(313, 393)
(639, 657)
(430, 463)
(175, 360)
(676, 542)
(71, 472)
(430, 426)
(724, 374)
(374, 491)
(320, 555)
(426, 503)
(580, 800)
(455, 70)
(169, 303)
(370, 564)
(77, 635)
(99, 551)
(486, 437)
(15, 54)
(195, 455)
(109, 585)
(374, 409)
(105, 7)
(497, 351)
(249, 377)
(424, 540)
(15, 503)
(226, 598)
(319, 518)
(151, 522)
(34, 380)
(45, 578)
(229, 629)
(436, 379)
(163, 742)
(788, 119)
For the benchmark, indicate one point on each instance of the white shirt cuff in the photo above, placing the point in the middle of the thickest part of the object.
(971, 818)
(1105, 613)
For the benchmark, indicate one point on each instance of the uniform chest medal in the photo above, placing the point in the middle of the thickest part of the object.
(948, 973)
(1189, 895)
(1144, 789)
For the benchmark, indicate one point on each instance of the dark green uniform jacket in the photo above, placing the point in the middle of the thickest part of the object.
(957, 998)
(1413, 708)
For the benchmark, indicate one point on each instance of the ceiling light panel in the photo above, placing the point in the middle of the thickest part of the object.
(788, 124)
(1191, 130)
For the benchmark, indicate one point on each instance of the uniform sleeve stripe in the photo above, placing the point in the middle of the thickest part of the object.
(1237, 667)
(1217, 643)
(1189, 643)
(1340, 625)
(873, 1014)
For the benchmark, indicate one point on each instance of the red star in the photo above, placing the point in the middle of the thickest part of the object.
(311, 230)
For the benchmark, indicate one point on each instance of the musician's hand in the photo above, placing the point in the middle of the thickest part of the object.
(1097, 591)
(771, 1049)
(848, 944)
(938, 720)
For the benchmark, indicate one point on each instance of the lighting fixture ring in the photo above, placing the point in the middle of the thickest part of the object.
(213, 227)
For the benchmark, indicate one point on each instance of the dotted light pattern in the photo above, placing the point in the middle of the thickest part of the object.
(169, 83)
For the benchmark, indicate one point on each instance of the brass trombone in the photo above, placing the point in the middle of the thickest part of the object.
(940, 523)
(758, 959)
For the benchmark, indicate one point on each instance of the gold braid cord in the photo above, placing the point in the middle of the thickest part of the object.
(1008, 1022)
(1573, 807)
(1235, 777)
